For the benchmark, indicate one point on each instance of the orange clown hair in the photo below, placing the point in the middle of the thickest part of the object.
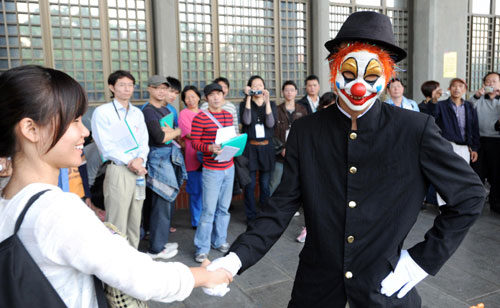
(335, 60)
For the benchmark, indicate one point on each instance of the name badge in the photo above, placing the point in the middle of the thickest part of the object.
(259, 131)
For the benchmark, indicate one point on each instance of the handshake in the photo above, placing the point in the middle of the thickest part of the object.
(229, 264)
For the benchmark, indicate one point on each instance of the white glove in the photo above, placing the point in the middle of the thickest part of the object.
(405, 276)
(230, 263)
(219, 290)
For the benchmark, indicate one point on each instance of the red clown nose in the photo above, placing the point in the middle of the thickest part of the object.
(358, 90)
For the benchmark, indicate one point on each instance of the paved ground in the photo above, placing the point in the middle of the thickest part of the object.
(471, 276)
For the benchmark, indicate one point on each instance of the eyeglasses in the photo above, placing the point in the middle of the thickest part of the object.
(125, 85)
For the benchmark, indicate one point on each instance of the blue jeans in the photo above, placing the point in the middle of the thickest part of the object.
(276, 177)
(264, 178)
(214, 220)
(194, 189)
(159, 222)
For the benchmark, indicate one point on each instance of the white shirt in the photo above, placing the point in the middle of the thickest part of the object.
(104, 117)
(69, 244)
(314, 105)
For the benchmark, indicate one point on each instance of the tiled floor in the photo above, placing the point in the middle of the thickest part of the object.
(471, 276)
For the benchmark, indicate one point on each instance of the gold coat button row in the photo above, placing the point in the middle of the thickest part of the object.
(350, 239)
(352, 204)
(353, 136)
(348, 275)
(353, 170)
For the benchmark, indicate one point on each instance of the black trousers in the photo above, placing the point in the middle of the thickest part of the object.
(488, 167)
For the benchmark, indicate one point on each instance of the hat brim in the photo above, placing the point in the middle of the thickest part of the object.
(213, 90)
(396, 53)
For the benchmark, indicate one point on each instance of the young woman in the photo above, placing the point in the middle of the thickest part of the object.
(42, 131)
(258, 116)
(190, 96)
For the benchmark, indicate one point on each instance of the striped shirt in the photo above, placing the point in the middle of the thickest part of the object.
(203, 132)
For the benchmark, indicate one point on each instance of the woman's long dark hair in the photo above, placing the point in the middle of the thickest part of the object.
(47, 96)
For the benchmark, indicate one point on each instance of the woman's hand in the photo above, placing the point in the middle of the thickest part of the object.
(265, 93)
(208, 279)
(247, 90)
(5, 167)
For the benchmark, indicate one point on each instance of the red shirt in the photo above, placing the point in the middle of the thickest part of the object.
(203, 133)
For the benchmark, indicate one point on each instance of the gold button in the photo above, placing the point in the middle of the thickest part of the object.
(348, 275)
(350, 239)
(353, 136)
(353, 170)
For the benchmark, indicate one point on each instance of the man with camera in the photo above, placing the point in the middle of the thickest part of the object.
(487, 103)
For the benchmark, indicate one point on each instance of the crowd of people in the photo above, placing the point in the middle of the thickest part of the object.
(139, 157)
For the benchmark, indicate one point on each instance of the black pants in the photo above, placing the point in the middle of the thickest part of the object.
(488, 167)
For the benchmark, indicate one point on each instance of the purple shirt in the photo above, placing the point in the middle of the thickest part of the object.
(460, 113)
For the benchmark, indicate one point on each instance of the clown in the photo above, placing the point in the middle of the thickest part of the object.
(360, 72)
(360, 170)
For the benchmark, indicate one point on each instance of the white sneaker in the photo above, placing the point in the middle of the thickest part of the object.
(296, 214)
(164, 254)
(171, 246)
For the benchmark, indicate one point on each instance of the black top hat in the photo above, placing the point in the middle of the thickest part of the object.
(368, 27)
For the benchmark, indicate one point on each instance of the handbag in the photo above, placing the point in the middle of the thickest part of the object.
(23, 283)
(115, 297)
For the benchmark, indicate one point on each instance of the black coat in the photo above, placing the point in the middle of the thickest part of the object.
(396, 154)
(305, 103)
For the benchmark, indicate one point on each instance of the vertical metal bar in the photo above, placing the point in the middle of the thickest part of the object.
(215, 36)
(48, 49)
(493, 35)
(308, 34)
(105, 44)
(149, 37)
(277, 50)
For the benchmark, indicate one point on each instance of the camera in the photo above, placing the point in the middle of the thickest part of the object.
(489, 89)
(254, 92)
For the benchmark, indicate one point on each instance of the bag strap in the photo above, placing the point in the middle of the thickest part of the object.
(212, 118)
(99, 293)
(26, 208)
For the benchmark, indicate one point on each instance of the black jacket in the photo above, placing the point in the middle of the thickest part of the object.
(305, 103)
(396, 153)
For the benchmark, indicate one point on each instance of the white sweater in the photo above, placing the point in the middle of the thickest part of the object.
(70, 244)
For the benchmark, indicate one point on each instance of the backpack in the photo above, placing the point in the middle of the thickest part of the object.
(23, 284)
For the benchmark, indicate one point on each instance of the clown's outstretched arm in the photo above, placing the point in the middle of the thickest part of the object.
(270, 224)
(464, 194)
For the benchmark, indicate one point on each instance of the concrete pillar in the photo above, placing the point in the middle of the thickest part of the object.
(438, 27)
(166, 29)
(320, 35)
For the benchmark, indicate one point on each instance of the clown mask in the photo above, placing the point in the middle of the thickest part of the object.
(360, 79)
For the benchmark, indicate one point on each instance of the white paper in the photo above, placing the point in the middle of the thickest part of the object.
(259, 131)
(227, 153)
(124, 139)
(225, 134)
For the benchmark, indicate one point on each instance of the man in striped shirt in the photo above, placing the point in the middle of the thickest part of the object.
(217, 177)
